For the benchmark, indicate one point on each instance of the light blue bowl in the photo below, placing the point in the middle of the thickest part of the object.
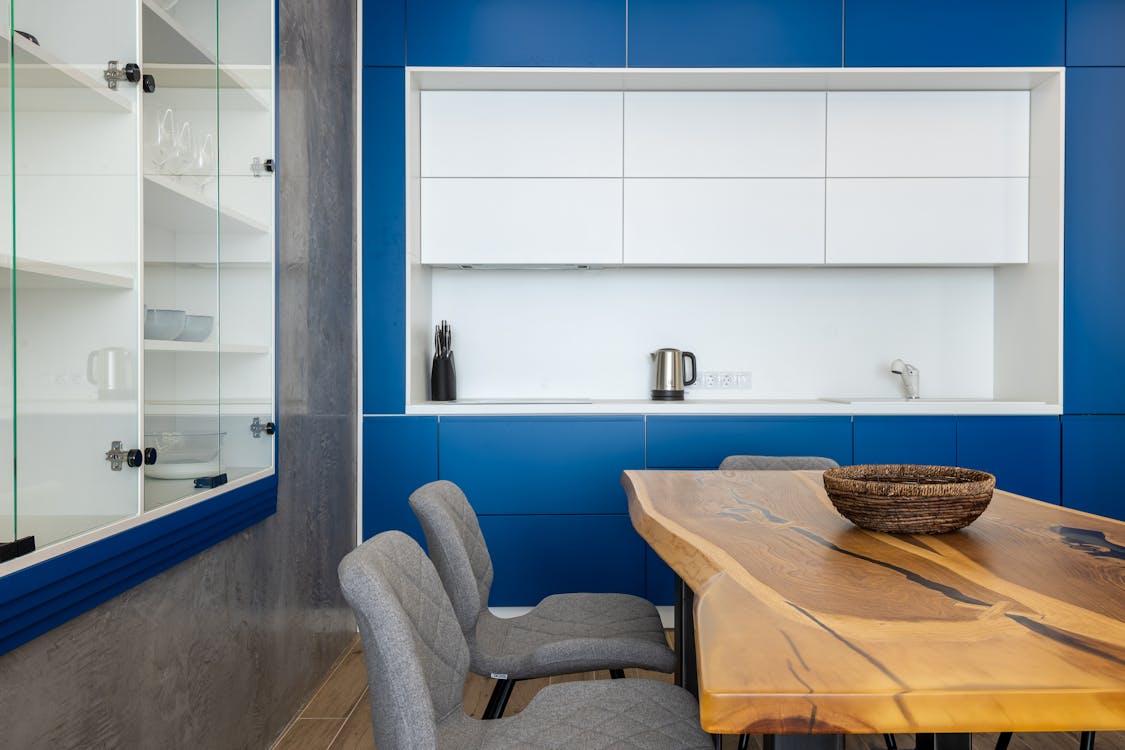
(196, 327)
(163, 325)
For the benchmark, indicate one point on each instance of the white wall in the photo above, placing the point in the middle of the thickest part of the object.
(802, 332)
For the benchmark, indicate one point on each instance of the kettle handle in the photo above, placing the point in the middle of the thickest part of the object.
(694, 368)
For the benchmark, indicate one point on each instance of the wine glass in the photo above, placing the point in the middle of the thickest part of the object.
(164, 139)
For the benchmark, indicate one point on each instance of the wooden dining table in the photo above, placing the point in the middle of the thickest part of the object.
(804, 624)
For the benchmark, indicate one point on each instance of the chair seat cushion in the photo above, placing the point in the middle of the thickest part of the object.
(591, 715)
(572, 633)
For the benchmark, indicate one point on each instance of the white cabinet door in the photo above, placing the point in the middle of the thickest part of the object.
(521, 133)
(724, 134)
(724, 222)
(521, 221)
(890, 221)
(928, 133)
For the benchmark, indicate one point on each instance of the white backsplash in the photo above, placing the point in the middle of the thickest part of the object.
(801, 332)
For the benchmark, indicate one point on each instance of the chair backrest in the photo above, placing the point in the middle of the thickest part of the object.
(777, 463)
(457, 548)
(417, 658)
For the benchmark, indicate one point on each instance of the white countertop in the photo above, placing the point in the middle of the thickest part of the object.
(710, 406)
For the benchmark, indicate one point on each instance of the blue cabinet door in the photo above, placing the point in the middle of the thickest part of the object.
(906, 440)
(1095, 32)
(550, 33)
(1094, 261)
(703, 442)
(954, 32)
(535, 556)
(541, 465)
(384, 241)
(659, 580)
(735, 33)
(399, 456)
(1092, 447)
(1022, 452)
(384, 32)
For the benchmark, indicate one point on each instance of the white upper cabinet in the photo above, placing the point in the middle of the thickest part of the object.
(521, 134)
(928, 133)
(724, 134)
(724, 222)
(905, 221)
(927, 177)
(521, 221)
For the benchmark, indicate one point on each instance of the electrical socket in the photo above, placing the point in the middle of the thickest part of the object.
(726, 380)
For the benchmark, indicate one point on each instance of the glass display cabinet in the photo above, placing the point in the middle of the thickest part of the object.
(137, 244)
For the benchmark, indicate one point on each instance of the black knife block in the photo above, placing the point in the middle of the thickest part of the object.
(443, 379)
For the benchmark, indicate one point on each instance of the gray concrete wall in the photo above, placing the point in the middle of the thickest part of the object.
(221, 651)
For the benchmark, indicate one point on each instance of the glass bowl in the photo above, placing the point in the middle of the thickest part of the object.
(185, 455)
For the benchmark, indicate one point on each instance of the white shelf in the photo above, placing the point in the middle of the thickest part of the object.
(183, 208)
(167, 41)
(228, 407)
(73, 406)
(45, 83)
(160, 492)
(38, 274)
(203, 347)
(226, 265)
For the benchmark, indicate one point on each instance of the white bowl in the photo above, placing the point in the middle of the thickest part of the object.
(196, 327)
(184, 455)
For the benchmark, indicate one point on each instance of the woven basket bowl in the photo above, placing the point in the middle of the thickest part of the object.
(908, 498)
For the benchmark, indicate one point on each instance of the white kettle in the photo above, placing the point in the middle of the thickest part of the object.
(113, 371)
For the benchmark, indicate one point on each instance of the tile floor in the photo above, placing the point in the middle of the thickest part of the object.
(339, 716)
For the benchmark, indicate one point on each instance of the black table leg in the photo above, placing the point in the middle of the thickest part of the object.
(683, 640)
(945, 741)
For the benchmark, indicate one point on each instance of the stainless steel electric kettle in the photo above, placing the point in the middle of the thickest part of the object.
(669, 382)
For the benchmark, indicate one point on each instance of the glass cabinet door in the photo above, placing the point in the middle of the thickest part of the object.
(74, 265)
(246, 240)
(7, 285)
(182, 222)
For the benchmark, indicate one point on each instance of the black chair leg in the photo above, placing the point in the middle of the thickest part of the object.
(891, 743)
(617, 674)
(499, 700)
(1086, 742)
(743, 742)
(1003, 740)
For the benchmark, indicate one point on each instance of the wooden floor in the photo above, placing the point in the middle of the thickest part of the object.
(339, 716)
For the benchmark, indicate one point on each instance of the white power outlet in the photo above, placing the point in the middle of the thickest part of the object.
(725, 380)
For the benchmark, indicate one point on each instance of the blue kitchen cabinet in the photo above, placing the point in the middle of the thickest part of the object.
(502, 33)
(954, 33)
(1095, 32)
(1022, 452)
(905, 440)
(744, 33)
(384, 32)
(399, 456)
(537, 555)
(660, 588)
(703, 442)
(541, 465)
(1094, 235)
(1092, 448)
(384, 241)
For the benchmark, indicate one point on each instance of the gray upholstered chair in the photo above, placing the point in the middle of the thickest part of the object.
(776, 463)
(417, 662)
(564, 633)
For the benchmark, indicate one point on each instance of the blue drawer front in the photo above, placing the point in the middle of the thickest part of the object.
(954, 32)
(749, 33)
(529, 465)
(1092, 451)
(1022, 452)
(1095, 32)
(1094, 262)
(535, 556)
(384, 32)
(399, 456)
(384, 241)
(553, 33)
(703, 442)
(906, 440)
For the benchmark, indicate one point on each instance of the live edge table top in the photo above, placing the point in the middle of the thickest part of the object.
(808, 624)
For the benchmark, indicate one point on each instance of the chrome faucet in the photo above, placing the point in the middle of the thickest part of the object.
(909, 375)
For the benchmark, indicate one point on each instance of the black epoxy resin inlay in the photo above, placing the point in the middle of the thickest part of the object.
(1089, 541)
